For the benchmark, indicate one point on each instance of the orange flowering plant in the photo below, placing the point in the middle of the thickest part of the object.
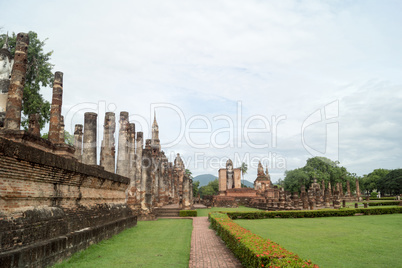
(251, 249)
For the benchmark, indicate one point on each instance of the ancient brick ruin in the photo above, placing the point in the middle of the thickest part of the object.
(55, 198)
(269, 197)
(316, 197)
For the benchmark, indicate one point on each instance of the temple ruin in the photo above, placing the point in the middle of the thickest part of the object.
(57, 199)
(267, 196)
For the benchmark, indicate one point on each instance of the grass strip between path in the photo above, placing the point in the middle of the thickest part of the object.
(205, 211)
(161, 243)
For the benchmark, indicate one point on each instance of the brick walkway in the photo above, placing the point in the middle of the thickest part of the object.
(207, 249)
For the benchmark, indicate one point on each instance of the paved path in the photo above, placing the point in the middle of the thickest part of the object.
(207, 249)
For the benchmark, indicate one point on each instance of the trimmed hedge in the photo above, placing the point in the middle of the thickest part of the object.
(313, 213)
(251, 249)
(383, 198)
(255, 251)
(389, 203)
(188, 213)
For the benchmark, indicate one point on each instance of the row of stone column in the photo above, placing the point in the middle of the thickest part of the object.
(12, 119)
(277, 198)
(154, 180)
(156, 183)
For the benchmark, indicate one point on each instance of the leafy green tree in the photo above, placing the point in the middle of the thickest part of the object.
(370, 181)
(196, 185)
(243, 169)
(39, 74)
(212, 188)
(244, 186)
(294, 179)
(391, 183)
(319, 168)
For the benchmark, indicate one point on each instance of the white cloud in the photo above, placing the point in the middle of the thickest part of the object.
(277, 57)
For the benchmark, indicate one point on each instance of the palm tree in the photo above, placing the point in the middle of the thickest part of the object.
(243, 168)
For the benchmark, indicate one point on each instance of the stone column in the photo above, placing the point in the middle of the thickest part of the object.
(78, 142)
(61, 132)
(327, 198)
(156, 176)
(190, 191)
(122, 153)
(171, 183)
(304, 197)
(34, 127)
(107, 156)
(17, 83)
(281, 199)
(322, 187)
(131, 153)
(295, 200)
(55, 110)
(185, 194)
(132, 189)
(348, 187)
(147, 182)
(89, 146)
(337, 200)
(357, 190)
(288, 201)
(138, 170)
(161, 183)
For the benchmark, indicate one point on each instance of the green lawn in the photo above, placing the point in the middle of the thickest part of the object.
(161, 243)
(204, 211)
(359, 241)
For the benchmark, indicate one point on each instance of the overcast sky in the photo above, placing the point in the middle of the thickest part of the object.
(280, 81)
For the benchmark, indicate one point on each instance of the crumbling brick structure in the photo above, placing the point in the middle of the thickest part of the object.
(55, 198)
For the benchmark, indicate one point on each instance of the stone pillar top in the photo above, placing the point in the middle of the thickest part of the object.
(34, 127)
(58, 77)
(139, 135)
(78, 129)
(17, 83)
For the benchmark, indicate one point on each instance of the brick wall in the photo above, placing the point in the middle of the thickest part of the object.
(52, 206)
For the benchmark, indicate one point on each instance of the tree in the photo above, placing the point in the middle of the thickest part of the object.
(243, 168)
(196, 185)
(370, 181)
(391, 183)
(212, 188)
(319, 168)
(39, 74)
(294, 179)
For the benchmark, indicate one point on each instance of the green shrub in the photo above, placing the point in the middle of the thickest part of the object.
(251, 249)
(387, 203)
(383, 198)
(373, 195)
(188, 213)
(312, 213)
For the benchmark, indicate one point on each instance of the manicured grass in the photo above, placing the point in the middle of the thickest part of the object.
(204, 211)
(161, 243)
(359, 241)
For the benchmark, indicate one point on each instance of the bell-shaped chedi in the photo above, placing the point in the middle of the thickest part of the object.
(263, 181)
